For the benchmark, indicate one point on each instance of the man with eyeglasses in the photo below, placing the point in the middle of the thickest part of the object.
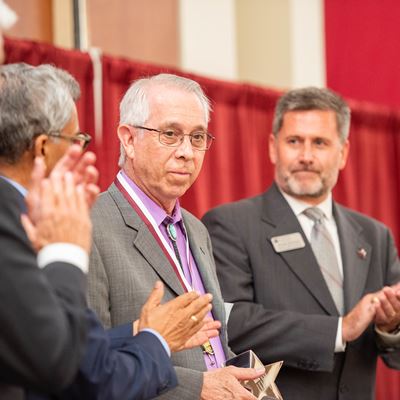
(44, 312)
(82, 139)
(141, 233)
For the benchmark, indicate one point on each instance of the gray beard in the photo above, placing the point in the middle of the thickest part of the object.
(294, 188)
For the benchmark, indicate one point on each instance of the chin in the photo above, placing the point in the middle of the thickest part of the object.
(302, 189)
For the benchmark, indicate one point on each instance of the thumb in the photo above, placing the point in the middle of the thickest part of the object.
(244, 374)
(155, 296)
(29, 229)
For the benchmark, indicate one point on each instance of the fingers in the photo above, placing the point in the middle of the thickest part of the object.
(390, 303)
(199, 306)
(244, 374)
(32, 199)
(92, 191)
(90, 173)
(29, 229)
(198, 317)
(154, 298)
(47, 197)
(211, 327)
(38, 173)
(360, 317)
(67, 192)
(184, 300)
(388, 313)
(68, 161)
(84, 169)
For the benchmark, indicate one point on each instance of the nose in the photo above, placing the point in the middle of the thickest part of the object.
(185, 149)
(307, 155)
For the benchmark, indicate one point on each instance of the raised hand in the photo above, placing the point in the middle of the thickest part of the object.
(178, 319)
(387, 316)
(57, 211)
(82, 168)
(209, 330)
(358, 319)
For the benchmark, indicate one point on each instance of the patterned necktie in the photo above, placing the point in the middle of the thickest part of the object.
(324, 251)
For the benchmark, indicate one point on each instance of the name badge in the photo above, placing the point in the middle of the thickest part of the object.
(283, 243)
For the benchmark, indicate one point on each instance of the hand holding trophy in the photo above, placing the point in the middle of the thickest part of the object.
(264, 387)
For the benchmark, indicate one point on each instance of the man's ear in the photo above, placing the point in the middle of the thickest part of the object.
(272, 148)
(127, 138)
(40, 145)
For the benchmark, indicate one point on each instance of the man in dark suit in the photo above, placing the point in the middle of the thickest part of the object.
(31, 299)
(43, 342)
(312, 283)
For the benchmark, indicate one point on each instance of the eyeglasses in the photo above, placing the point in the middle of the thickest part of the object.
(173, 138)
(81, 138)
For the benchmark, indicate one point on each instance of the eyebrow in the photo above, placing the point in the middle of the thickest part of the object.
(177, 125)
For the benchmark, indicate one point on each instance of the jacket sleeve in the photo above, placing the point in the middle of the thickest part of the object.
(131, 367)
(42, 311)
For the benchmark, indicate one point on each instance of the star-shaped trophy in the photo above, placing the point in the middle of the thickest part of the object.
(264, 387)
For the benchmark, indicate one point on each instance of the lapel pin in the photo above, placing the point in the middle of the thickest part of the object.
(362, 253)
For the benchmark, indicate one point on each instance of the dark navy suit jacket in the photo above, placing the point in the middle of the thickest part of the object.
(117, 365)
(38, 352)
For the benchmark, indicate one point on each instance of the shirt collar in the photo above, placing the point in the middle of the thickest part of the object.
(17, 185)
(154, 209)
(299, 206)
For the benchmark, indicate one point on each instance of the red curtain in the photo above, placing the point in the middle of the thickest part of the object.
(237, 164)
(362, 49)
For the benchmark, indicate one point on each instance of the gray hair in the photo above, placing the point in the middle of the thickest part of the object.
(33, 100)
(134, 107)
(312, 98)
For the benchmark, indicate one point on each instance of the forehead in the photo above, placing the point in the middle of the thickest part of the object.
(173, 105)
(310, 122)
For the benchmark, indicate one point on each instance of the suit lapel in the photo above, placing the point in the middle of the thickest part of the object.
(198, 247)
(199, 251)
(356, 255)
(145, 243)
(279, 219)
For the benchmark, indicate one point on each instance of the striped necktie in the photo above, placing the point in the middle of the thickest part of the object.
(324, 251)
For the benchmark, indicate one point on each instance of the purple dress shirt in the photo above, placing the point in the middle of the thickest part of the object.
(190, 269)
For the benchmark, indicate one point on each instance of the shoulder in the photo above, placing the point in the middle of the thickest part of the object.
(11, 206)
(192, 222)
(368, 224)
(359, 217)
(105, 207)
(245, 208)
(8, 194)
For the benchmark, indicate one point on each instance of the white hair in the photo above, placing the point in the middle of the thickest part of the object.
(134, 107)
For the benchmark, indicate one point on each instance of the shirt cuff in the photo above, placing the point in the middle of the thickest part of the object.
(340, 346)
(388, 339)
(64, 252)
(228, 308)
(160, 338)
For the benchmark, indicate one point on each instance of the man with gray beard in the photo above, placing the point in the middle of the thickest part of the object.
(312, 283)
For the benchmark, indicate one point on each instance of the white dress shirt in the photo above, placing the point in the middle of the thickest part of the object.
(307, 224)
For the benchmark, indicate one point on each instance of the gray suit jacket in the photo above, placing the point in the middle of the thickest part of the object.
(125, 263)
(282, 306)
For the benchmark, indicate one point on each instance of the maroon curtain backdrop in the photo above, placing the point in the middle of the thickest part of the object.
(362, 49)
(237, 164)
